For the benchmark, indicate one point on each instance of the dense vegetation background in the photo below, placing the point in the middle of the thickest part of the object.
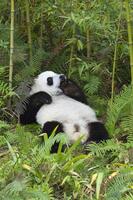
(92, 43)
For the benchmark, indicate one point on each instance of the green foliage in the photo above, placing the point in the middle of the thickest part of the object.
(77, 38)
(119, 185)
(116, 110)
(126, 124)
(56, 28)
(5, 92)
(128, 197)
(103, 148)
(28, 170)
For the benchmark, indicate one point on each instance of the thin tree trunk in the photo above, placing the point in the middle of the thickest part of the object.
(11, 44)
(130, 36)
(29, 30)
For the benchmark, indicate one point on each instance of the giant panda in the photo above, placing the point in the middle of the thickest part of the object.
(49, 106)
(35, 100)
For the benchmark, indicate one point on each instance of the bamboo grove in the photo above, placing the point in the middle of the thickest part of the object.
(92, 43)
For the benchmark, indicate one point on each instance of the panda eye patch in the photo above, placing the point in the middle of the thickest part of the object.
(50, 81)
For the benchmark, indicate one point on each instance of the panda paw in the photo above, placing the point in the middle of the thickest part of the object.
(41, 98)
(48, 100)
(44, 98)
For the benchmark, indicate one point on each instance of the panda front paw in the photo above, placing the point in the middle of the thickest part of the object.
(40, 98)
(48, 100)
(44, 98)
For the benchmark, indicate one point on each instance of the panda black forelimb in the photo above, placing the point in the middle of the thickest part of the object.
(32, 105)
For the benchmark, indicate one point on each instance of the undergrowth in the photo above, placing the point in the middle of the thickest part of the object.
(29, 171)
(96, 171)
(86, 40)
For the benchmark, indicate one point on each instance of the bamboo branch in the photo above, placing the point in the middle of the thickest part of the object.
(11, 44)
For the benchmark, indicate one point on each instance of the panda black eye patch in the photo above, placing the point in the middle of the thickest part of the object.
(50, 81)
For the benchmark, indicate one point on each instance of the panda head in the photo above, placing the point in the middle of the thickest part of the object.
(49, 82)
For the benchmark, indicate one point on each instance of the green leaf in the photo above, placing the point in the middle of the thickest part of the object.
(12, 152)
(98, 184)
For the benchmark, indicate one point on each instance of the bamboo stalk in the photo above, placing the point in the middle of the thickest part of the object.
(114, 69)
(72, 48)
(115, 59)
(11, 44)
(41, 28)
(88, 44)
(71, 53)
(130, 36)
(88, 41)
(29, 30)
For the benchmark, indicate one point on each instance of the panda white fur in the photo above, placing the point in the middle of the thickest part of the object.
(70, 113)
(72, 117)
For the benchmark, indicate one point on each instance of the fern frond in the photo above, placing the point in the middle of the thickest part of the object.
(104, 147)
(43, 192)
(3, 72)
(92, 86)
(49, 142)
(13, 190)
(127, 124)
(4, 88)
(3, 125)
(128, 197)
(5, 93)
(115, 110)
(27, 72)
(119, 186)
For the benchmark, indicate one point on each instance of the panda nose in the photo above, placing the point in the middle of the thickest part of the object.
(62, 78)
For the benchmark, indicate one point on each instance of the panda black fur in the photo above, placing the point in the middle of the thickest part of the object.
(71, 89)
(31, 105)
(51, 108)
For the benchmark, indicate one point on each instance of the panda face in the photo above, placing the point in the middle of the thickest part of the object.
(48, 82)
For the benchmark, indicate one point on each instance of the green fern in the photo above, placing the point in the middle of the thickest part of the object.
(127, 124)
(114, 113)
(128, 197)
(102, 148)
(28, 71)
(20, 189)
(5, 94)
(119, 186)
(92, 86)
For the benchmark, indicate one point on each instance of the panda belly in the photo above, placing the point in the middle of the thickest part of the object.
(74, 116)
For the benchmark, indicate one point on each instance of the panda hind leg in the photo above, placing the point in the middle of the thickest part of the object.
(48, 128)
(97, 132)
